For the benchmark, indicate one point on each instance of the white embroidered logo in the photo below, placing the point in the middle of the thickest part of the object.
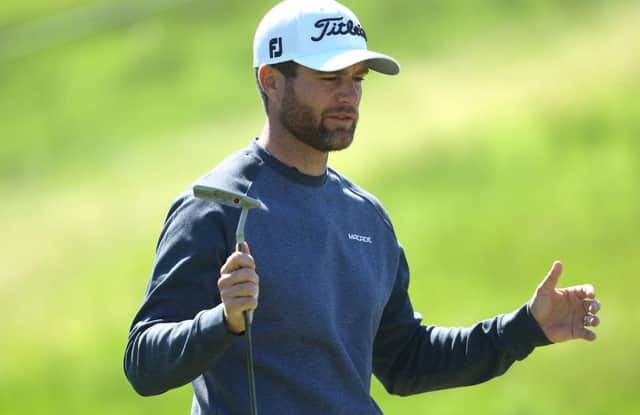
(360, 238)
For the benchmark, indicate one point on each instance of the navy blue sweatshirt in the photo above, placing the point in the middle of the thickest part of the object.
(333, 308)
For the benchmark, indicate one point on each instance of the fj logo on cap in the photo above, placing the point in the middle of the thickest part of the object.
(334, 26)
(275, 47)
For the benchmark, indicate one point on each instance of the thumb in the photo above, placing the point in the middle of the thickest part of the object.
(243, 247)
(551, 280)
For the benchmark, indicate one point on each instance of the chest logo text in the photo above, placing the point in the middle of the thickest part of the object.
(360, 238)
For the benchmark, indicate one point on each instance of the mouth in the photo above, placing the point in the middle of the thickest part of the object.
(342, 116)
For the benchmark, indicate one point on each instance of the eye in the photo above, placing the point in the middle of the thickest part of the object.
(329, 78)
(358, 78)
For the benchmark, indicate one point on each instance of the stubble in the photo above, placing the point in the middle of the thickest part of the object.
(299, 120)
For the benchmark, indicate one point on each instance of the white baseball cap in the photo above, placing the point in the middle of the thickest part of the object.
(319, 34)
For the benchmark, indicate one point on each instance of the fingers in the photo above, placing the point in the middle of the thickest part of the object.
(586, 291)
(591, 320)
(591, 306)
(243, 247)
(551, 280)
(236, 261)
(239, 304)
(586, 334)
(239, 289)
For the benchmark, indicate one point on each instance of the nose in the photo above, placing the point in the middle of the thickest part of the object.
(350, 92)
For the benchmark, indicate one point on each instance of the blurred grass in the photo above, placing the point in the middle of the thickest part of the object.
(16, 12)
(509, 140)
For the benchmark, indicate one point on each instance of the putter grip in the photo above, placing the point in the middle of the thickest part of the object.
(243, 247)
(248, 317)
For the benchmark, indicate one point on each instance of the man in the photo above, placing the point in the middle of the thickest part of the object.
(333, 281)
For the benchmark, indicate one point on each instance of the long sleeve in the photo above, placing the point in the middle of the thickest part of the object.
(179, 331)
(411, 358)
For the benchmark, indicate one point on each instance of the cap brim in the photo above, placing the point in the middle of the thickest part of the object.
(332, 61)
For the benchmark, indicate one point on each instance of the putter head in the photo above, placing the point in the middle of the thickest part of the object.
(226, 197)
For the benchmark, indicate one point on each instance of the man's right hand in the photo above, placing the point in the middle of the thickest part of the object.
(239, 288)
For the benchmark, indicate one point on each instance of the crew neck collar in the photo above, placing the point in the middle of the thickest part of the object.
(287, 171)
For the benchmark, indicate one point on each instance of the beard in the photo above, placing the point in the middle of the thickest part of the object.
(299, 120)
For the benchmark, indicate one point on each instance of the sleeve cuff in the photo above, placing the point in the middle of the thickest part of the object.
(213, 328)
(521, 333)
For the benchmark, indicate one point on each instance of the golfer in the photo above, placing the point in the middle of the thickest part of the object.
(324, 271)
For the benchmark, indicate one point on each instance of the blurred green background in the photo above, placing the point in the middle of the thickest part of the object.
(510, 139)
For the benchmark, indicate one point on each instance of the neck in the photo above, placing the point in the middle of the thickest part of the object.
(282, 145)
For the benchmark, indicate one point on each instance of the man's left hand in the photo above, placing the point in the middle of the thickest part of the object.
(564, 313)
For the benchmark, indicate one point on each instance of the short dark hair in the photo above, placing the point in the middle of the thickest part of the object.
(288, 68)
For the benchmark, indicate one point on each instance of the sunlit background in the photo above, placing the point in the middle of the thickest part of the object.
(510, 139)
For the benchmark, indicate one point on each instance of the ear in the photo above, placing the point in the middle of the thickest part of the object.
(272, 83)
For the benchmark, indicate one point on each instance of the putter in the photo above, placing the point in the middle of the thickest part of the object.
(237, 200)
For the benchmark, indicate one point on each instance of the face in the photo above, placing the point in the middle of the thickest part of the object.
(321, 108)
